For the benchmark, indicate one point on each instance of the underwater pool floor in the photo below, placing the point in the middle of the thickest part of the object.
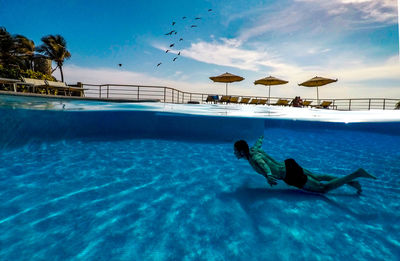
(151, 199)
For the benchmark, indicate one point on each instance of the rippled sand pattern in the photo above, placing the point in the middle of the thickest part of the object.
(171, 200)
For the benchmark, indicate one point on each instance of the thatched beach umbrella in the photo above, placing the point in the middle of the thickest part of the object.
(316, 82)
(270, 81)
(227, 78)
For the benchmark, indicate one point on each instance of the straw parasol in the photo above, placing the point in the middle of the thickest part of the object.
(317, 82)
(227, 78)
(270, 81)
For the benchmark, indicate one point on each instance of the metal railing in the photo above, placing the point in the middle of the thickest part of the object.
(171, 95)
(142, 92)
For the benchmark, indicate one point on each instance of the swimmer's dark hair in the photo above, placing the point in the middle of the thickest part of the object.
(242, 145)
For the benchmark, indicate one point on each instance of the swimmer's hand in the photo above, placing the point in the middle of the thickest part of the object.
(271, 180)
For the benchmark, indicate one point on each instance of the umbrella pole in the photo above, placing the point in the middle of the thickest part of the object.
(269, 94)
(226, 91)
(317, 96)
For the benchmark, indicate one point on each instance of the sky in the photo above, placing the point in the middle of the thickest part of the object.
(355, 41)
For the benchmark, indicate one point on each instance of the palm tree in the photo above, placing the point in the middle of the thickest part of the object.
(55, 48)
(25, 50)
(7, 48)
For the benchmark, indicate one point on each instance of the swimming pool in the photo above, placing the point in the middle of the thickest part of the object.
(135, 184)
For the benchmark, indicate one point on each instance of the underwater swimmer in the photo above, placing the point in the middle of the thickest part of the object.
(290, 172)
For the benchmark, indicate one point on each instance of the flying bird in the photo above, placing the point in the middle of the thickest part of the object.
(184, 17)
(159, 64)
(193, 26)
(209, 10)
(171, 45)
(197, 18)
(120, 64)
(173, 23)
(179, 53)
(166, 51)
(170, 33)
(181, 39)
(175, 59)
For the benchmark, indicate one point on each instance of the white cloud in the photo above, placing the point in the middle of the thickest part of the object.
(317, 51)
(316, 16)
(99, 76)
(287, 20)
(382, 11)
(225, 52)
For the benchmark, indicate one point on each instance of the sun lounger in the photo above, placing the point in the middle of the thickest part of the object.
(7, 84)
(244, 100)
(262, 101)
(63, 88)
(212, 98)
(36, 84)
(52, 87)
(306, 103)
(234, 99)
(254, 101)
(282, 102)
(225, 99)
(323, 105)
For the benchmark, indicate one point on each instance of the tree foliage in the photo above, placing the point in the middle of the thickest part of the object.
(55, 48)
(25, 51)
(7, 48)
(17, 54)
(17, 73)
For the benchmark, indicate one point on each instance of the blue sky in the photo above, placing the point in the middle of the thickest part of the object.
(355, 41)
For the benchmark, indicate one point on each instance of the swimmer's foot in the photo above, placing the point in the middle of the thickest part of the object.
(362, 173)
(356, 185)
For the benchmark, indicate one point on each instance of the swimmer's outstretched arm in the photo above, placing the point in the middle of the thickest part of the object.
(266, 171)
(259, 142)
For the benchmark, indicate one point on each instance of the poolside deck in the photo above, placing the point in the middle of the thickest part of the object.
(53, 97)
(38, 102)
(123, 93)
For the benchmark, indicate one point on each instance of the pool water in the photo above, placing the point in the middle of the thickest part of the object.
(146, 198)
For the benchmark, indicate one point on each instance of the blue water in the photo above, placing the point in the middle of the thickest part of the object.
(99, 196)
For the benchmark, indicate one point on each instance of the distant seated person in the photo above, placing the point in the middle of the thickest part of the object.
(297, 102)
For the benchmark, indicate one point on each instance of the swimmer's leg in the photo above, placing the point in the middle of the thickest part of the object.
(363, 173)
(325, 177)
(338, 182)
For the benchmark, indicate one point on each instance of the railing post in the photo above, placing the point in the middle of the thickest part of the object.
(108, 90)
(138, 95)
(172, 96)
(165, 94)
(177, 100)
(99, 91)
(369, 104)
(349, 104)
(190, 97)
(384, 104)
